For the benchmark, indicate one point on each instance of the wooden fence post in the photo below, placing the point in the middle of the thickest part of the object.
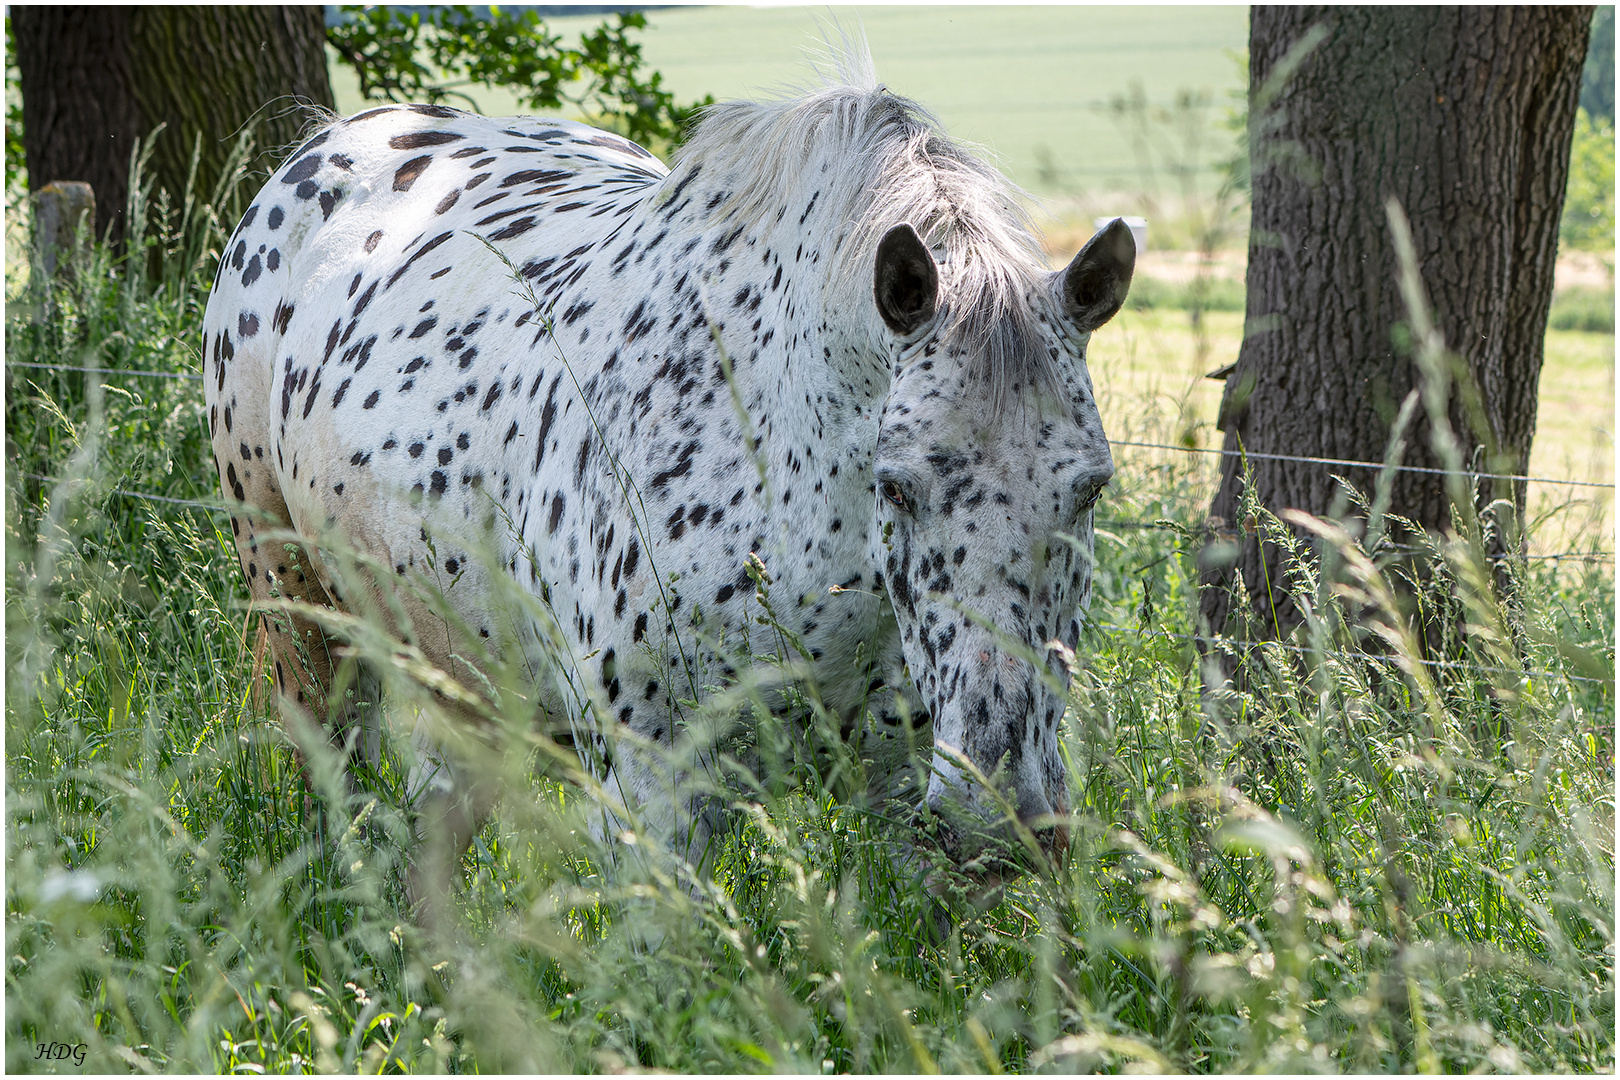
(61, 209)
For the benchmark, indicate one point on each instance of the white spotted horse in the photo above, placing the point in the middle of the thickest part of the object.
(825, 337)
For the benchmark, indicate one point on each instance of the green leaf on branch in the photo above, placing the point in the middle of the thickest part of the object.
(437, 54)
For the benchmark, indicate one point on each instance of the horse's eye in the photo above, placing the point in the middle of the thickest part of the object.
(894, 494)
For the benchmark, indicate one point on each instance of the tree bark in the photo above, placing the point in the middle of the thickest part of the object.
(1463, 115)
(79, 116)
(218, 70)
(96, 79)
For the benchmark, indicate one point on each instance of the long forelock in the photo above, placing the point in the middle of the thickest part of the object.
(880, 160)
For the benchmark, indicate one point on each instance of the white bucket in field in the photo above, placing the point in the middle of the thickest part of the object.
(1137, 225)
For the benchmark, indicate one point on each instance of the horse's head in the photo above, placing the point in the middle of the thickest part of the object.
(990, 457)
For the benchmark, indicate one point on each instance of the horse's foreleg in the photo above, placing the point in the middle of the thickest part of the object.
(449, 801)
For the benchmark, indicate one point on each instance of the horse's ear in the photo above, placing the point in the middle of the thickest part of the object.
(1095, 283)
(905, 281)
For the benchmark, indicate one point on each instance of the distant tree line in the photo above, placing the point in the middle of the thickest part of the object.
(1589, 207)
(1597, 76)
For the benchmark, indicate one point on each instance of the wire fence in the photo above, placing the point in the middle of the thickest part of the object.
(1344, 462)
(1302, 650)
(147, 495)
(1114, 523)
(1574, 556)
(1444, 664)
(1349, 463)
(110, 371)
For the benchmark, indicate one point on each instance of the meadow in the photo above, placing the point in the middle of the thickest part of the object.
(1155, 361)
(1032, 85)
(1357, 861)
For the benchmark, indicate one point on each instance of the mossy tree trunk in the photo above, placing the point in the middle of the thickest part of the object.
(1463, 115)
(96, 79)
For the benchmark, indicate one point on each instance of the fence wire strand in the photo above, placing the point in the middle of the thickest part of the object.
(1101, 626)
(1355, 464)
(1112, 442)
(132, 494)
(1262, 645)
(111, 371)
(1585, 556)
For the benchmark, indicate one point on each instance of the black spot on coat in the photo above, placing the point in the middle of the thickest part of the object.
(415, 140)
(302, 170)
(407, 173)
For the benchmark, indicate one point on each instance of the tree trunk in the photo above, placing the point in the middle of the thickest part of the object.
(1463, 115)
(79, 116)
(216, 70)
(95, 79)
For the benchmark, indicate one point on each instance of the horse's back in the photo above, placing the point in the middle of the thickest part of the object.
(344, 333)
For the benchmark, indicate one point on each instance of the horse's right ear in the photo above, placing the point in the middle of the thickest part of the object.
(1095, 283)
(905, 281)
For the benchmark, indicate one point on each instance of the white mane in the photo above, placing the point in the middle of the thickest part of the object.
(890, 162)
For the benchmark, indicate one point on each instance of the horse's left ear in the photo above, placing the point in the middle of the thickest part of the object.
(905, 282)
(1095, 283)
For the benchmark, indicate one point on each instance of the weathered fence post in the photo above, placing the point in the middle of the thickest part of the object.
(64, 225)
(62, 209)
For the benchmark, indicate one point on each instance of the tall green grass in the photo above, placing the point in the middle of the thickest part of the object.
(1341, 866)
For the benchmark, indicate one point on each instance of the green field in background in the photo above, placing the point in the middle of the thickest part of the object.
(1014, 79)
(1149, 378)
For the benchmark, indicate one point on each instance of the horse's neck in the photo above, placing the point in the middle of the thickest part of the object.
(808, 371)
(817, 331)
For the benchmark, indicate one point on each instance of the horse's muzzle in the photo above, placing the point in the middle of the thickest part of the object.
(993, 845)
